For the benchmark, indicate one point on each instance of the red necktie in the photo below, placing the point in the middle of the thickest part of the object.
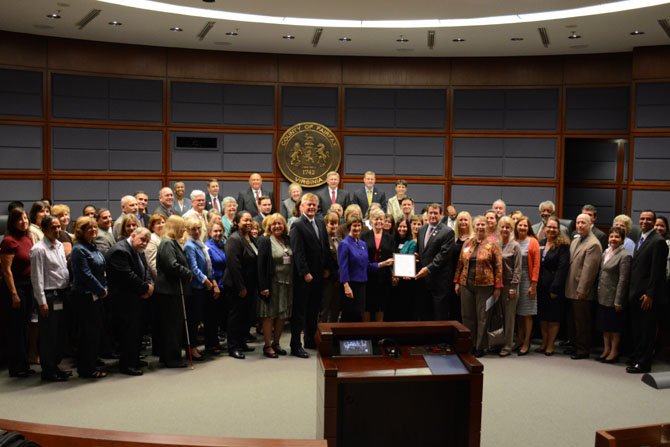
(332, 197)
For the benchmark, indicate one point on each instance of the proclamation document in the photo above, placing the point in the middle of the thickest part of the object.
(404, 266)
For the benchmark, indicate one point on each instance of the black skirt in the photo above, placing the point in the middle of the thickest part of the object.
(609, 320)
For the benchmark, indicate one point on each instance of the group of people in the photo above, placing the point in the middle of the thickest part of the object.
(206, 265)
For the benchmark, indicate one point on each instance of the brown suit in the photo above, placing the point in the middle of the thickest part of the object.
(585, 259)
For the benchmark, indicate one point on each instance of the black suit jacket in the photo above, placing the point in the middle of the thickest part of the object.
(208, 202)
(241, 265)
(647, 276)
(310, 254)
(246, 201)
(173, 269)
(127, 274)
(554, 271)
(437, 256)
(325, 200)
(360, 198)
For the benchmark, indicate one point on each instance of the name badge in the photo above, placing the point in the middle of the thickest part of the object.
(95, 297)
(286, 259)
(58, 305)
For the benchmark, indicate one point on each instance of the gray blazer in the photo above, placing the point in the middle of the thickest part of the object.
(585, 259)
(614, 278)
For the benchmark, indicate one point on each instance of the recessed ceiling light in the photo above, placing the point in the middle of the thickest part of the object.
(55, 15)
(402, 39)
(176, 29)
(636, 33)
(208, 1)
(288, 37)
(233, 33)
(345, 39)
(574, 35)
(516, 39)
(458, 39)
(114, 23)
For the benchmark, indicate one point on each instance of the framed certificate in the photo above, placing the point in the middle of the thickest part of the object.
(404, 266)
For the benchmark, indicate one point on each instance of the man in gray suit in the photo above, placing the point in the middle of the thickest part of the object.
(105, 239)
(585, 257)
(547, 209)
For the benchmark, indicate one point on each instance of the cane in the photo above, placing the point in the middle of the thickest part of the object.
(188, 338)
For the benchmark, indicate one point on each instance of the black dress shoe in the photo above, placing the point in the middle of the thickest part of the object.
(577, 356)
(638, 368)
(246, 348)
(131, 371)
(299, 352)
(480, 353)
(54, 377)
(237, 354)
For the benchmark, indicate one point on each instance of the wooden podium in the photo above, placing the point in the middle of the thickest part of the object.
(398, 384)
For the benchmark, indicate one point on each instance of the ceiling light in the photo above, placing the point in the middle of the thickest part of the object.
(177, 29)
(458, 39)
(316, 36)
(516, 39)
(55, 15)
(345, 39)
(114, 23)
(636, 33)
(402, 39)
(288, 37)
(208, 1)
(574, 35)
(233, 33)
(602, 8)
(431, 39)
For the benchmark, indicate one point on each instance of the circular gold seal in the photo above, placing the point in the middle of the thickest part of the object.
(307, 152)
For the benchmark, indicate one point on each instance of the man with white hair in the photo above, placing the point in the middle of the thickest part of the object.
(128, 206)
(499, 207)
(547, 209)
(198, 211)
(580, 285)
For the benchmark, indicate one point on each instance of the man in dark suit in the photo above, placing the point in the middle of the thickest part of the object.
(369, 194)
(165, 202)
(248, 199)
(647, 292)
(129, 283)
(312, 263)
(264, 210)
(435, 245)
(333, 194)
(213, 200)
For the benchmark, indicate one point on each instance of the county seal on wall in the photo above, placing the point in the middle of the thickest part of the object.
(307, 152)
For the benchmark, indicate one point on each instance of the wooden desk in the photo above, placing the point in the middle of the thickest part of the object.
(379, 400)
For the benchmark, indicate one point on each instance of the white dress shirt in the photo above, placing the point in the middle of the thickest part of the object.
(48, 268)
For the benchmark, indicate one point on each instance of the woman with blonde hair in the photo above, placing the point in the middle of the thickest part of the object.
(62, 212)
(172, 286)
(129, 223)
(275, 282)
(511, 256)
(530, 275)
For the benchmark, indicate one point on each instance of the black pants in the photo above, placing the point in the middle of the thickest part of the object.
(212, 319)
(17, 330)
(306, 307)
(90, 313)
(643, 324)
(172, 327)
(194, 306)
(128, 319)
(49, 329)
(238, 317)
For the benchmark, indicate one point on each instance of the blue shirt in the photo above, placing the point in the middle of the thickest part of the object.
(88, 269)
(352, 257)
(218, 257)
(197, 263)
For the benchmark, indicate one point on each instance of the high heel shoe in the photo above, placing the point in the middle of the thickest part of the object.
(269, 352)
(611, 361)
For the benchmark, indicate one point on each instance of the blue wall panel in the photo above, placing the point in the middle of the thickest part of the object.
(602, 199)
(597, 108)
(20, 148)
(27, 191)
(659, 201)
(652, 105)
(20, 93)
(651, 160)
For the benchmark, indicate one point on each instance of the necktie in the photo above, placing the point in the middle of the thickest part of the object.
(369, 197)
(258, 195)
(639, 244)
(332, 196)
(316, 229)
(426, 238)
(216, 203)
